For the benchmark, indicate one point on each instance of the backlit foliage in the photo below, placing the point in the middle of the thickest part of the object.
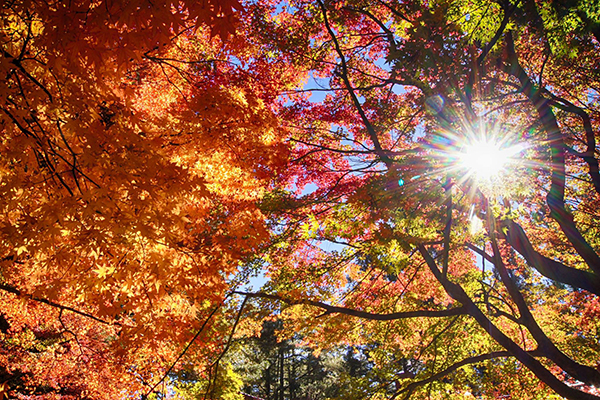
(155, 154)
(133, 150)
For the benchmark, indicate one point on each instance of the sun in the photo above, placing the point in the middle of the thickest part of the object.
(485, 159)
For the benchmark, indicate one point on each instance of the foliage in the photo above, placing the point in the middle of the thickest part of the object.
(156, 154)
(382, 230)
(227, 385)
(134, 147)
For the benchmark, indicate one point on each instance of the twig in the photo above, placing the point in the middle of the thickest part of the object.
(145, 396)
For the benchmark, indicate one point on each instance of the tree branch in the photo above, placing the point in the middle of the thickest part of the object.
(20, 67)
(516, 237)
(212, 382)
(499, 32)
(590, 138)
(329, 309)
(556, 196)
(13, 290)
(578, 371)
(344, 75)
(470, 360)
(151, 390)
(457, 293)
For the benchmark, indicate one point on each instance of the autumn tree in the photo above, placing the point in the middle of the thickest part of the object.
(136, 139)
(428, 169)
(441, 198)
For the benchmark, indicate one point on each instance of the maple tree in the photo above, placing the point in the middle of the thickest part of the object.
(155, 154)
(470, 278)
(135, 144)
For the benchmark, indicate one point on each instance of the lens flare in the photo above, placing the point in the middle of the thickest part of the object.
(485, 159)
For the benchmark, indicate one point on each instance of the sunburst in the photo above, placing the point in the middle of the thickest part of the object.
(484, 159)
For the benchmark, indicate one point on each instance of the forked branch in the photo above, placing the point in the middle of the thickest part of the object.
(457, 293)
(556, 196)
(470, 360)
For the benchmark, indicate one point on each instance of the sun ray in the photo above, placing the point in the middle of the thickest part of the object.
(484, 159)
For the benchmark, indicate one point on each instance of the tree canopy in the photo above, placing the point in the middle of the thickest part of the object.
(416, 181)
